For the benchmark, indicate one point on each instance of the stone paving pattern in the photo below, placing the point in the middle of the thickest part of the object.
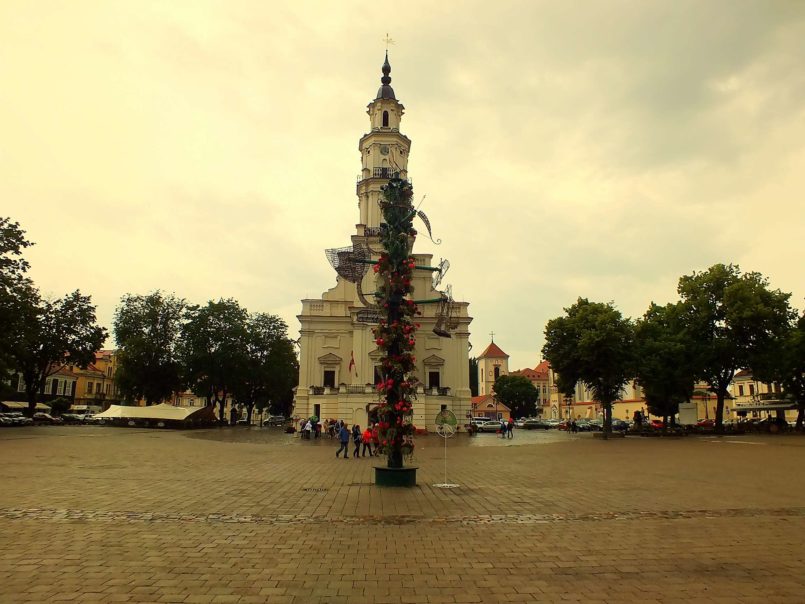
(248, 515)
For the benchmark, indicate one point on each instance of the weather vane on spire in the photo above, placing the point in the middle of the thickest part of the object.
(388, 41)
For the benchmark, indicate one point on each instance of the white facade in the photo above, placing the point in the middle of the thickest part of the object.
(338, 355)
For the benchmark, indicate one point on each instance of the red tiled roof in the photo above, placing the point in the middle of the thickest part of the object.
(543, 367)
(485, 398)
(743, 373)
(493, 351)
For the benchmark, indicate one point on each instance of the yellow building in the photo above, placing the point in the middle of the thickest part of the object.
(338, 359)
(95, 385)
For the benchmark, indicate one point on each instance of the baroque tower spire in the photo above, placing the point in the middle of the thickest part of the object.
(384, 149)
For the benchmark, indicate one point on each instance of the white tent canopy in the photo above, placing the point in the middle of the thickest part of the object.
(162, 412)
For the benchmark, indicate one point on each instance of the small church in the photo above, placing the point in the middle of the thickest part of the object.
(339, 362)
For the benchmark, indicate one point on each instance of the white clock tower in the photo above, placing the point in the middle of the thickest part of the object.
(338, 359)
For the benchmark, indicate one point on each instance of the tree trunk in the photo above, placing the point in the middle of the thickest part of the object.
(249, 409)
(800, 416)
(607, 419)
(719, 427)
(221, 404)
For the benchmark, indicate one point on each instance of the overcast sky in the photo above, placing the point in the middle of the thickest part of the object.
(596, 149)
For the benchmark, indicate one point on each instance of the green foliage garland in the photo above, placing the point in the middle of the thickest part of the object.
(395, 336)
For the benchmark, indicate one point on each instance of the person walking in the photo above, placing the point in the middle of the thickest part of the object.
(356, 438)
(308, 428)
(367, 441)
(343, 437)
(502, 428)
(510, 428)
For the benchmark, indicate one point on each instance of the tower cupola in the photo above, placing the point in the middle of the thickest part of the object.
(386, 91)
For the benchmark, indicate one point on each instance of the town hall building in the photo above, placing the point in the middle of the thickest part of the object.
(339, 361)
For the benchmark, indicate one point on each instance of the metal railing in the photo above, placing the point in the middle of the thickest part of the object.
(352, 389)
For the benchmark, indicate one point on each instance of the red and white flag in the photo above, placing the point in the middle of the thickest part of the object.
(352, 363)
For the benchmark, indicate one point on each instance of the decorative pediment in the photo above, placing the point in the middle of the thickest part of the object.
(330, 359)
(376, 355)
(433, 360)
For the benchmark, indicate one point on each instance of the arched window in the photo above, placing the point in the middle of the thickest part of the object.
(385, 119)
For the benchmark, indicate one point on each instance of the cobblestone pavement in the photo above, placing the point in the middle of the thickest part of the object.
(252, 515)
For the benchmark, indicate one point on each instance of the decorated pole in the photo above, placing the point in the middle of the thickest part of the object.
(395, 334)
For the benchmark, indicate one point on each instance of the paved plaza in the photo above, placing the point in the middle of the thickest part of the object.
(253, 515)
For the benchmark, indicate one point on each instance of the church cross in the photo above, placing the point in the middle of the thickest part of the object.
(388, 41)
(492, 335)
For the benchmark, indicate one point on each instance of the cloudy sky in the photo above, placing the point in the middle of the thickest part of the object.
(597, 149)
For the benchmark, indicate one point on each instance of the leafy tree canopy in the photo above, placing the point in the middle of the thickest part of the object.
(592, 344)
(147, 332)
(664, 359)
(213, 350)
(732, 319)
(52, 334)
(16, 290)
(271, 369)
(518, 394)
(473, 376)
(785, 363)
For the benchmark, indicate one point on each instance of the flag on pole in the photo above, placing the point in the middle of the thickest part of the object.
(352, 363)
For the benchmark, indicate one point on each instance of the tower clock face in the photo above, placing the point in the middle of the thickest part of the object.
(384, 149)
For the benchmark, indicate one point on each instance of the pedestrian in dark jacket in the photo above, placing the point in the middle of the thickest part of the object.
(343, 437)
(356, 438)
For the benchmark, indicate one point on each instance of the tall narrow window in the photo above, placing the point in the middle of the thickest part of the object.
(329, 379)
(385, 119)
(497, 372)
(433, 379)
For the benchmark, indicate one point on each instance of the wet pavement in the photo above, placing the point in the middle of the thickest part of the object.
(242, 514)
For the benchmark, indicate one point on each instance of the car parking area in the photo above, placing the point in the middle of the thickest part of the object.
(248, 514)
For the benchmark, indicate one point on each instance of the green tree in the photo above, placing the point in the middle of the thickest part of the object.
(271, 369)
(15, 288)
(147, 332)
(53, 334)
(592, 344)
(785, 363)
(733, 319)
(473, 376)
(664, 354)
(518, 394)
(213, 350)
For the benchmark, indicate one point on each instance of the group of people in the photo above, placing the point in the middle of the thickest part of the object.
(506, 428)
(310, 428)
(368, 438)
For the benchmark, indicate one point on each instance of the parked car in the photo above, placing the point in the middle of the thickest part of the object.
(47, 418)
(92, 419)
(618, 425)
(5, 421)
(489, 426)
(656, 424)
(705, 423)
(596, 425)
(18, 419)
(274, 420)
(535, 424)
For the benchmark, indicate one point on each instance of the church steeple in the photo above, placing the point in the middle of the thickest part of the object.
(386, 91)
(384, 149)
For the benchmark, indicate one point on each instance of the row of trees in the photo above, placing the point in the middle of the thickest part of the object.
(39, 335)
(218, 350)
(166, 345)
(724, 321)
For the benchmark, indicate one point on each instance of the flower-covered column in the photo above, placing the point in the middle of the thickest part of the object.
(395, 335)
